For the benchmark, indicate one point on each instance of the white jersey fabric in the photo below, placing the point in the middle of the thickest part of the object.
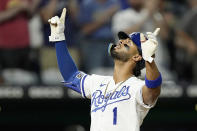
(121, 108)
(128, 18)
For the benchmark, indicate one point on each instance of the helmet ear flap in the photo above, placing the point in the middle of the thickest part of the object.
(135, 37)
(110, 47)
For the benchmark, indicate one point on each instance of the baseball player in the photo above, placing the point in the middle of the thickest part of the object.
(119, 102)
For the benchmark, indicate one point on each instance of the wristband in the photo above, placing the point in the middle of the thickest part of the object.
(153, 83)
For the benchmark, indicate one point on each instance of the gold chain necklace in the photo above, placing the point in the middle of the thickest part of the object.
(106, 97)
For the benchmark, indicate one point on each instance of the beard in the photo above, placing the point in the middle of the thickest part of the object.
(121, 56)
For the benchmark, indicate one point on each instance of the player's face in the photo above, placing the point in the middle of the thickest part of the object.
(124, 50)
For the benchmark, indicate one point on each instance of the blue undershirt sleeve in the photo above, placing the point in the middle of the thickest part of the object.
(67, 67)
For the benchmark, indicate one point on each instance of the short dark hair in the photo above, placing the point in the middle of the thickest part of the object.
(139, 66)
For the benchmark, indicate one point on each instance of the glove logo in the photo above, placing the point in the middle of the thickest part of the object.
(79, 76)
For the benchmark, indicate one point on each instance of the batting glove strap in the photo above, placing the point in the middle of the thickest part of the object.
(153, 83)
(55, 38)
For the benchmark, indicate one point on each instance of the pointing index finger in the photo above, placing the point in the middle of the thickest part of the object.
(156, 32)
(63, 15)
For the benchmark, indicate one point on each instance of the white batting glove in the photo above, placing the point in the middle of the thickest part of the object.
(57, 27)
(150, 46)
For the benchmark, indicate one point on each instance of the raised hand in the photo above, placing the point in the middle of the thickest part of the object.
(57, 27)
(149, 47)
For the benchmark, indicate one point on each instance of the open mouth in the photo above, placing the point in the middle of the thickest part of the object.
(125, 45)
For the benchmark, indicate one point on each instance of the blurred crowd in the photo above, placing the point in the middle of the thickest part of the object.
(27, 57)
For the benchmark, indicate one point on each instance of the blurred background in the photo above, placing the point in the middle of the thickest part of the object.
(32, 97)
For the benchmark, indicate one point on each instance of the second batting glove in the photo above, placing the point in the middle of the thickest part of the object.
(149, 47)
(57, 27)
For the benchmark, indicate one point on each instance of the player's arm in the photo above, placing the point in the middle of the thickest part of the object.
(151, 92)
(68, 69)
(153, 79)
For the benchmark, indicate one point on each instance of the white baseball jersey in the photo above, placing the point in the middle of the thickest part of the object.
(114, 107)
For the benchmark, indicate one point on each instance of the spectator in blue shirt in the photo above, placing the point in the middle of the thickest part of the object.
(124, 4)
(95, 20)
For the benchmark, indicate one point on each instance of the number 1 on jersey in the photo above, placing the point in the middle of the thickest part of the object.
(115, 116)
